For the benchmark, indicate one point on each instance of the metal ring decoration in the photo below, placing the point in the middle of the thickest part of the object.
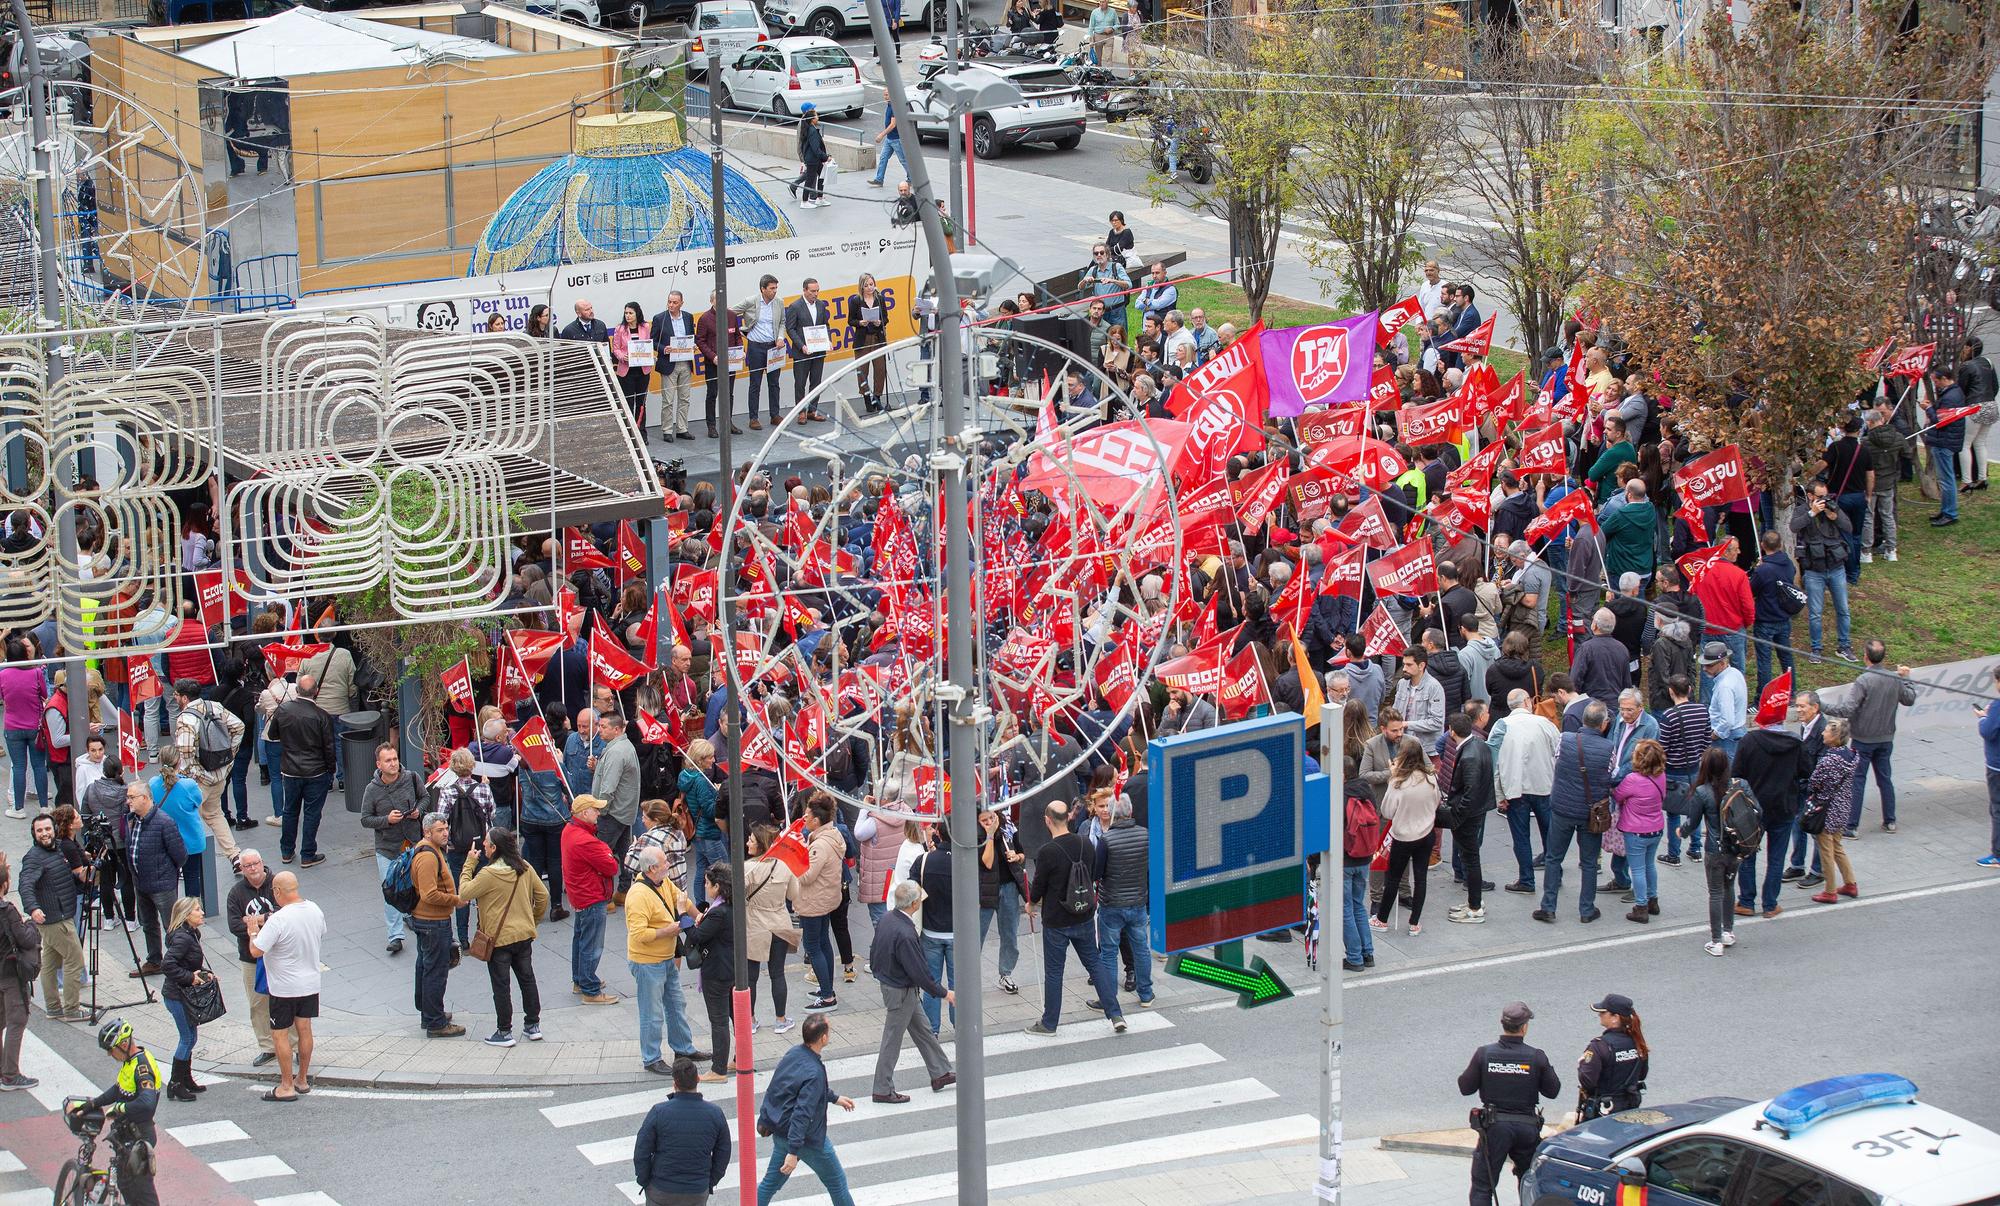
(844, 648)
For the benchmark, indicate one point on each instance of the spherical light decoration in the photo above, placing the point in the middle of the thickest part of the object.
(632, 188)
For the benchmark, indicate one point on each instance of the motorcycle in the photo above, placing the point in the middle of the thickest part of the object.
(1105, 92)
(1190, 146)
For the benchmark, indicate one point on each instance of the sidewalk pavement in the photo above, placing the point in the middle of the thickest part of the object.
(368, 1034)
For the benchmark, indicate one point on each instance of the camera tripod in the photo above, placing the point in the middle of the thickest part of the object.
(93, 920)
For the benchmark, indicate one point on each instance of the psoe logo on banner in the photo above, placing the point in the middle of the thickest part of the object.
(1319, 362)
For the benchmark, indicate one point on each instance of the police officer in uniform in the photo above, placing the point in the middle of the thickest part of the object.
(1611, 1076)
(1509, 1076)
(130, 1103)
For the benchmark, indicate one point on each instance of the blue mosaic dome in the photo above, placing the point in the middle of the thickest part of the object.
(631, 188)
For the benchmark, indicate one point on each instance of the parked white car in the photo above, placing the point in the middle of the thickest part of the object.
(783, 76)
(832, 18)
(1051, 108)
(728, 26)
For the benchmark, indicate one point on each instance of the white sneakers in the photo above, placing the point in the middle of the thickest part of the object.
(1729, 937)
(17, 813)
(1466, 916)
(1713, 948)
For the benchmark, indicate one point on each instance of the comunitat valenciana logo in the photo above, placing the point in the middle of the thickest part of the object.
(1319, 362)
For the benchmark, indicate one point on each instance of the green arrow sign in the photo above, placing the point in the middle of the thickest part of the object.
(1254, 986)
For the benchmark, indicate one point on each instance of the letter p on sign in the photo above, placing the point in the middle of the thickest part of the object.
(1229, 788)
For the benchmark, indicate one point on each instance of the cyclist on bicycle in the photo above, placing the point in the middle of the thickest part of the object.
(130, 1103)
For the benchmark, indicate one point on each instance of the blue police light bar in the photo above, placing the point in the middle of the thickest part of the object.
(1797, 1109)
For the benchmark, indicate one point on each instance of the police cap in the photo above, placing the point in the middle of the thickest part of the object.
(1614, 1002)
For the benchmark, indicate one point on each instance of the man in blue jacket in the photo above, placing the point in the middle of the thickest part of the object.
(683, 1147)
(1945, 443)
(1583, 776)
(154, 853)
(794, 1116)
(1773, 628)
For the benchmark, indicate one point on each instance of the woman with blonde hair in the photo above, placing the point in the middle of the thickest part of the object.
(182, 967)
(769, 888)
(1409, 808)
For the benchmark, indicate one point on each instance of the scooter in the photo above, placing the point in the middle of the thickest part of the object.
(1190, 145)
(1106, 92)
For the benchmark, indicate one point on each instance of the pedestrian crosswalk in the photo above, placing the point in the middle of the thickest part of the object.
(1080, 1103)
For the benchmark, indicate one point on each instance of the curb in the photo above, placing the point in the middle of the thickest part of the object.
(1461, 1142)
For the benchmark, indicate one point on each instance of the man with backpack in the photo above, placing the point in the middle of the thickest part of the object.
(1361, 837)
(1067, 869)
(1772, 761)
(392, 806)
(206, 737)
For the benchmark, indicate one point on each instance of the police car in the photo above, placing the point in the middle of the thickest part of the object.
(1858, 1140)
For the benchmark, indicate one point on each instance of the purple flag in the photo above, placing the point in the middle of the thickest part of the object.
(1319, 365)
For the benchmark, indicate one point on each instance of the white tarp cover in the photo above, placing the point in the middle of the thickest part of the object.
(304, 41)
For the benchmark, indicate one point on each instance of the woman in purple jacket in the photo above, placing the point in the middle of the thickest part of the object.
(23, 691)
(1642, 818)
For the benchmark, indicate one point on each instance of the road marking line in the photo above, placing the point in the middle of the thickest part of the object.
(1231, 1004)
(315, 1198)
(59, 1077)
(1652, 935)
(625, 1104)
(424, 1095)
(1013, 1084)
(25, 1197)
(251, 1168)
(1040, 1125)
(9, 1162)
(1294, 1128)
(201, 1134)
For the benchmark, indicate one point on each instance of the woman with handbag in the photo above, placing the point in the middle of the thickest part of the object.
(511, 900)
(711, 937)
(1830, 806)
(768, 933)
(1409, 807)
(190, 991)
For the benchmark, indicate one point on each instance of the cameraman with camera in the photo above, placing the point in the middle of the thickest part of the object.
(103, 840)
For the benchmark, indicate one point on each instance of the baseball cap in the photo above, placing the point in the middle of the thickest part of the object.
(583, 802)
(1713, 652)
(1516, 1013)
(1613, 1002)
(808, 107)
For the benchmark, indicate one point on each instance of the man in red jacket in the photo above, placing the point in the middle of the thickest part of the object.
(589, 872)
(1726, 602)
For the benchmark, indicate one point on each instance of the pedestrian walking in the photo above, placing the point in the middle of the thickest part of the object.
(288, 944)
(307, 739)
(1067, 870)
(392, 806)
(1577, 793)
(813, 159)
(183, 969)
(511, 901)
(1467, 797)
(589, 873)
(1611, 1076)
(1713, 787)
(206, 737)
(430, 920)
(53, 876)
(1510, 1078)
(819, 896)
(769, 889)
(896, 958)
(1524, 775)
(1640, 798)
(1409, 807)
(250, 896)
(1989, 736)
(180, 800)
(682, 1152)
(793, 1115)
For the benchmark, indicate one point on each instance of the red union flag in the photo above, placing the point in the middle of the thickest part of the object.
(1953, 414)
(1543, 452)
(1872, 358)
(1574, 507)
(1382, 392)
(1198, 673)
(1220, 432)
(1392, 320)
(694, 591)
(1322, 426)
(208, 585)
(1410, 570)
(536, 749)
(1911, 362)
(610, 664)
(1342, 575)
(1328, 363)
(279, 657)
(1295, 601)
(1205, 505)
(580, 553)
(142, 679)
(1479, 342)
(1435, 423)
(458, 688)
(1369, 525)
(1713, 480)
(1260, 493)
(1242, 684)
(1775, 700)
(1115, 678)
(1380, 636)
(653, 731)
(631, 553)
(1693, 565)
(514, 682)
(1236, 373)
(533, 649)
(1313, 491)
(1477, 473)
(131, 750)
(1114, 462)
(1692, 514)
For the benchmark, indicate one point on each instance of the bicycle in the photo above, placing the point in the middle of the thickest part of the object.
(81, 1182)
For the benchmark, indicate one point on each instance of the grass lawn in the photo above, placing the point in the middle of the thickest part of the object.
(1223, 302)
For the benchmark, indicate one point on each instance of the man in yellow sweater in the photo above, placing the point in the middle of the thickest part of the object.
(655, 912)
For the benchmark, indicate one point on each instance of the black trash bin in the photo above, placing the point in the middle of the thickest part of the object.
(360, 733)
